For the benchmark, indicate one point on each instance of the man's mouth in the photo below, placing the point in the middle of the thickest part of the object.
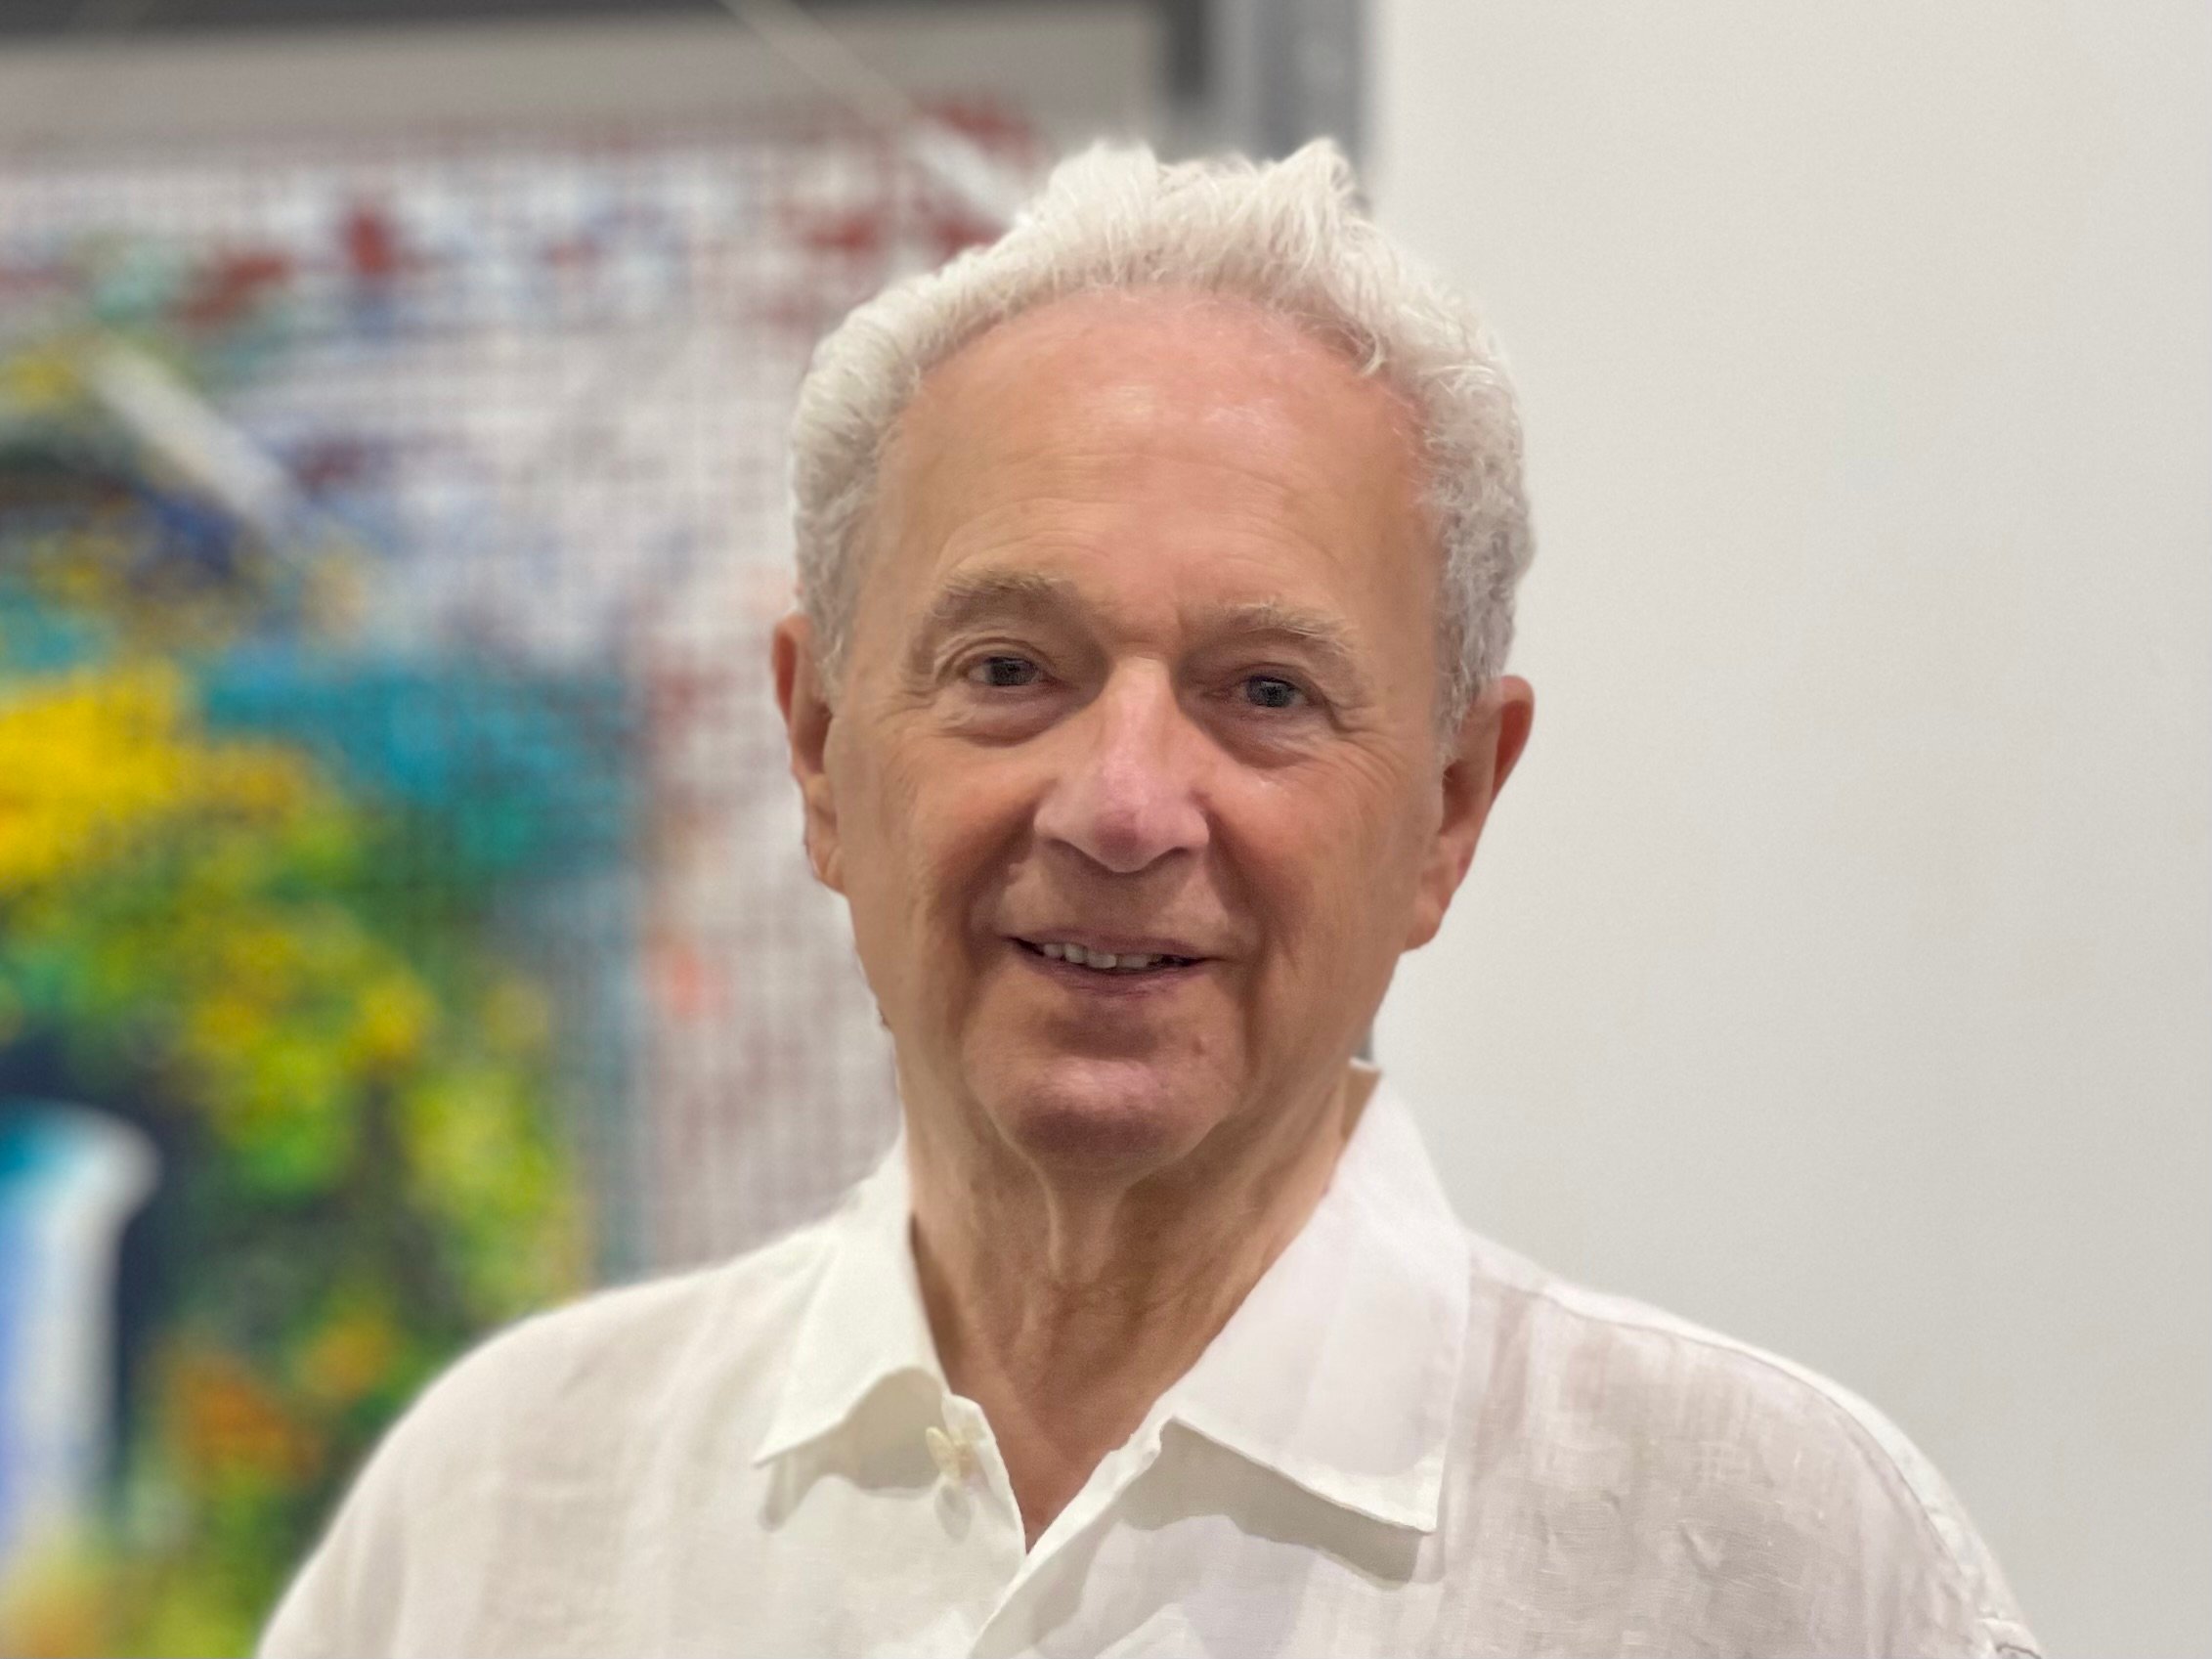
(1104, 961)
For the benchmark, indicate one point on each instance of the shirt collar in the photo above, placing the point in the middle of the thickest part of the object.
(1338, 1370)
(1341, 1369)
(864, 1323)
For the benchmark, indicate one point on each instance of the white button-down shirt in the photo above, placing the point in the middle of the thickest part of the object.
(1406, 1440)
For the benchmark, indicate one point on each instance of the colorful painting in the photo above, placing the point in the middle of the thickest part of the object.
(402, 919)
(276, 1099)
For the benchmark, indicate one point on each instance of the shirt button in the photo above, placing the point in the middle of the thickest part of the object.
(949, 1455)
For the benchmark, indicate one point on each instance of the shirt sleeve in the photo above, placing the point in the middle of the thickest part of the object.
(1684, 1491)
(305, 1621)
(327, 1611)
(407, 1538)
(1954, 1549)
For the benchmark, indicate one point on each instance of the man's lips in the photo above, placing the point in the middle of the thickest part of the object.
(1111, 953)
(1097, 943)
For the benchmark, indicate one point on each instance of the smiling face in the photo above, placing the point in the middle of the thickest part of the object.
(1143, 668)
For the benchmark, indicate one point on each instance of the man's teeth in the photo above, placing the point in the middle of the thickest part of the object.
(1106, 958)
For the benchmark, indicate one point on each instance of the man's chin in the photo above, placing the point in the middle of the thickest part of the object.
(1104, 1115)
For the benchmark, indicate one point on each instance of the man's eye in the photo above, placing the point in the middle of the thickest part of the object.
(1270, 691)
(1004, 672)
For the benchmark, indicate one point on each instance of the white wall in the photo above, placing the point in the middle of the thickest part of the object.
(1836, 971)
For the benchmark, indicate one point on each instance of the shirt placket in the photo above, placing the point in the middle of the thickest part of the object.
(1011, 1629)
(979, 1519)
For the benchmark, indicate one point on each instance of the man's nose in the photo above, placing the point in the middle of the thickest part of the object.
(1126, 794)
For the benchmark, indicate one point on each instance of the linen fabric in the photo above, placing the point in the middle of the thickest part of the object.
(1407, 1440)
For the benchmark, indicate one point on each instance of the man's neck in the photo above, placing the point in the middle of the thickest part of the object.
(1064, 1309)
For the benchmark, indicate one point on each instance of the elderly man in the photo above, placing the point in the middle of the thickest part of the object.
(1146, 703)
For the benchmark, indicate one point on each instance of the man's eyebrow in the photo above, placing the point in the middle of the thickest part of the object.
(968, 599)
(1323, 636)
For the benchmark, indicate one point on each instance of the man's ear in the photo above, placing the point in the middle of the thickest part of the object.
(1482, 756)
(807, 717)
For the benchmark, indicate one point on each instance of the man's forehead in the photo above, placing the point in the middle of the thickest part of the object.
(1207, 469)
(1081, 389)
(1217, 352)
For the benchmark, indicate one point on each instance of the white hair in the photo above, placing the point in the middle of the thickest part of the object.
(1287, 237)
